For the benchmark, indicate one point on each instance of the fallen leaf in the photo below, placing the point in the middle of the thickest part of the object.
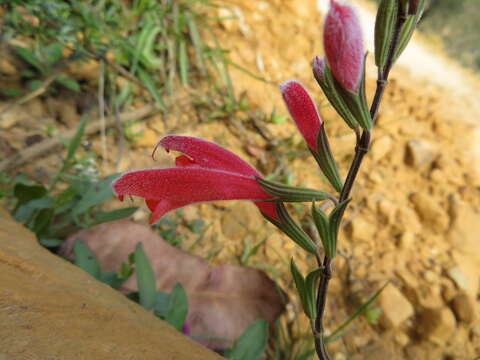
(223, 300)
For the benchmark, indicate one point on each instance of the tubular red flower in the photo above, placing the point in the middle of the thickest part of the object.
(343, 42)
(318, 66)
(206, 172)
(303, 111)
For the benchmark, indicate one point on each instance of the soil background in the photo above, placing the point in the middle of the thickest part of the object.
(415, 216)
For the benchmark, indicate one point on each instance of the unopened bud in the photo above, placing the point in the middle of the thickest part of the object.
(343, 41)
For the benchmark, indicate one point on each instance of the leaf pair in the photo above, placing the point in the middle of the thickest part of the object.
(306, 288)
(328, 226)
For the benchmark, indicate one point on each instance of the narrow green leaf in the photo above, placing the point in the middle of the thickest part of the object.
(96, 193)
(300, 285)
(50, 243)
(322, 223)
(336, 334)
(252, 343)
(25, 193)
(147, 284)
(289, 227)
(177, 307)
(105, 216)
(384, 28)
(311, 291)
(197, 43)
(335, 220)
(290, 193)
(149, 83)
(183, 61)
(30, 57)
(68, 83)
(326, 161)
(86, 259)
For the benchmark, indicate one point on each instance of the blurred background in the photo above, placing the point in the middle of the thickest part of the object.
(88, 88)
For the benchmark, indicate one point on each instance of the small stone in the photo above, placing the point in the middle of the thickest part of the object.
(381, 147)
(388, 209)
(406, 240)
(402, 339)
(361, 230)
(437, 325)
(457, 275)
(395, 307)
(420, 154)
(464, 308)
(430, 212)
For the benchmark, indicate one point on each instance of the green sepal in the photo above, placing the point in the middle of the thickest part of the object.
(407, 30)
(310, 292)
(335, 219)
(299, 284)
(384, 30)
(356, 102)
(322, 222)
(326, 161)
(328, 86)
(291, 229)
(287, 193)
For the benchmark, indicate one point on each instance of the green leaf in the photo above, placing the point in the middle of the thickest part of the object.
(68, 83)
(86, 259)
(290, 228)
(183, 61)
(149, 83)
(322, 223)
(162, 301)
(105, 216)
(384, 28)
(147, 284)
(177, 307)
(290, 193)
(252, 343)
(335, 220)
(97, 193)
(300, 285)
(24, 212)
(326, 161)
(311, 291)
(43, 220)
(337, 333)
(30, 57)
(25, 193)
(197, 42)
(53, 53)
(50, 243)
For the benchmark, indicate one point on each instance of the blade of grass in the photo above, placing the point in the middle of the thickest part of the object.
(361, 309)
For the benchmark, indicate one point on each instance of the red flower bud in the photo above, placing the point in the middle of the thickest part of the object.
(303, 111)
(343, 42)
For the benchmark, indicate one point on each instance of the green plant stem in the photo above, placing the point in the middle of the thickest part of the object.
(361, 149)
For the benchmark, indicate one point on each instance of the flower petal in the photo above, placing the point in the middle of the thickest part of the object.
(207, 154)
(172, 188)
(303, 110)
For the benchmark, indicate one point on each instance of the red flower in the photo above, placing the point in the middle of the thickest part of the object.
(343, 42)
(206, 172)
(303, 111)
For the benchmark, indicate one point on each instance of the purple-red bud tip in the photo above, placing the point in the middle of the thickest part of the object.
(343, 42)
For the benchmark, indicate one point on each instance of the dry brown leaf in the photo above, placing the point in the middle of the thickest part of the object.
(223, 300)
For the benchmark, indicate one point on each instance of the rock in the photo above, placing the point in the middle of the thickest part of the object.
(361, 230)
(388, 210)
(381, 147)
(437, 325)
(406, 240)
(395, 307)
(54, 310)
(13, 116)
(464, 308)
(407, 220)
(420, 154)
(430, 212)
(402, 339)
(465, 276)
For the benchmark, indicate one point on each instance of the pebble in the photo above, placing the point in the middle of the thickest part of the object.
(395, 307)
(420, 154)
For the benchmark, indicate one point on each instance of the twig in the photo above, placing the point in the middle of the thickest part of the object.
(47, 145)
